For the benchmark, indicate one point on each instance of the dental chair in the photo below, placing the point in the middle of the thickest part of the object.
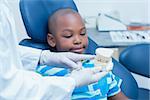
(35, 17)
(136, 59)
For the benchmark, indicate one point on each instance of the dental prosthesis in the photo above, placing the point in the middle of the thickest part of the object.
(103, 59)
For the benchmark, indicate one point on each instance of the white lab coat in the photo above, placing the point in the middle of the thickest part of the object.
(16, 83)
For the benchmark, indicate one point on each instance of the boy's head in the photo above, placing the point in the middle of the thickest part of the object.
(67, 31)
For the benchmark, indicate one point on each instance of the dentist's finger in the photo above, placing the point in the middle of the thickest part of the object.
(71, 64)
(78, 57)
(96, 69)
(97, 76)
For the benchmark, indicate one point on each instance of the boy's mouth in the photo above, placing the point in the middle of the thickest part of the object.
(78, 49)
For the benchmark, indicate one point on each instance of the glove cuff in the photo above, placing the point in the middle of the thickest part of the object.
(43, 57)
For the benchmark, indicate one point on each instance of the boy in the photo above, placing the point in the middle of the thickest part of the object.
(67, 32)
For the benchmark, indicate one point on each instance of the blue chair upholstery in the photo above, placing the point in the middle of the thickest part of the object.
(136, 59)
(35, 16)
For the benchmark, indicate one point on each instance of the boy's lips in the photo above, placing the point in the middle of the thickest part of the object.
(78, 49)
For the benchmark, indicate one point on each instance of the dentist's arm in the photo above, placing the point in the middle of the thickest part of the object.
(30, 57)
(17, 83)
(33, 57)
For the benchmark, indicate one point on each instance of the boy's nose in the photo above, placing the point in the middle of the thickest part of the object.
(77, 40)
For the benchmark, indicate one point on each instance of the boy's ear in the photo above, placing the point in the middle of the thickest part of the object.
(51, 40)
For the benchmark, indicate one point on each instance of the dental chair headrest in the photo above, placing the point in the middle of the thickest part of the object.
(35, 15)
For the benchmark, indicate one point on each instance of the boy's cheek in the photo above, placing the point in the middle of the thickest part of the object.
(64, 47)
(87, 43)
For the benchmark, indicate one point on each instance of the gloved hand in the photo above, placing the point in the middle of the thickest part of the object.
(109, 67)
(62, 59)
(87, 76)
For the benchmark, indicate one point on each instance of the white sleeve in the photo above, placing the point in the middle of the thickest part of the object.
(17, 83)
(26, 85)
(29, 57)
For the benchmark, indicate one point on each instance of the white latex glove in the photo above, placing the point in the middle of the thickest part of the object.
(63, 59)
(109, 67)
(87, 76)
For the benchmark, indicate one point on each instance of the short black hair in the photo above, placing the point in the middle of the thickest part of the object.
(52, 21)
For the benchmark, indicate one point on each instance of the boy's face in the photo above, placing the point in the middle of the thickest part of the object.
(70, 34)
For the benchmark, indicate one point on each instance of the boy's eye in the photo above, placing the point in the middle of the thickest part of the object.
(67, 36)
(83, 33)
